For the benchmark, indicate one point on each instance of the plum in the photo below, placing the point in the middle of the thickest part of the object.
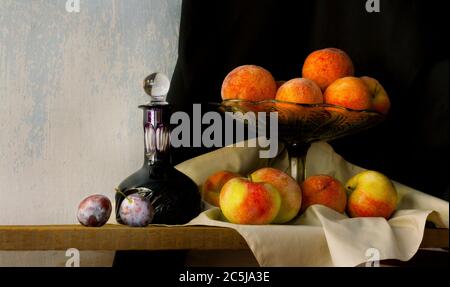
(136, 210)
(94, 210)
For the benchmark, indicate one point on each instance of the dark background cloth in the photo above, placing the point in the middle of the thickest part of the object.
(404, 47)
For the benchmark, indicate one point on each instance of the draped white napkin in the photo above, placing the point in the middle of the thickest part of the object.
(321, 236)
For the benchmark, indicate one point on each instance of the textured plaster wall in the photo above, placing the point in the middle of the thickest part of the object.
(70, 84)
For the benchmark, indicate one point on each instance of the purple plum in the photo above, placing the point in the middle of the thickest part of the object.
(136, 210)
(94, 210)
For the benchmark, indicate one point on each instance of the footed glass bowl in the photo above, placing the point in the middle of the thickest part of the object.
(301, 124)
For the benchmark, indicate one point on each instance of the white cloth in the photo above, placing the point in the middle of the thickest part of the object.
(321, 236)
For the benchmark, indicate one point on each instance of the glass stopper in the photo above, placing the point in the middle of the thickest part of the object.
(157, 86)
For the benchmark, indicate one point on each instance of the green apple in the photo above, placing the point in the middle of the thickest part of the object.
(371, 194)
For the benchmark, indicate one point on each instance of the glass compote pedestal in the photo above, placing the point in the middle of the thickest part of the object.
(299, 125)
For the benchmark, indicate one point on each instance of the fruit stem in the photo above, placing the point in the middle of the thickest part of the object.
(123, 194)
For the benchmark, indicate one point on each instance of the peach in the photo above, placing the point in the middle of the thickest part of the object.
(289, 189)
(301, 91)
(349, 92)
(213, 184)
(326, 66)
(380, 99)
(249, 82)
(372, 194)
(324, 190)
(245, 202)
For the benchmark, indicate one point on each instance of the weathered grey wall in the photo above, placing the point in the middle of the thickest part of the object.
(70, 84)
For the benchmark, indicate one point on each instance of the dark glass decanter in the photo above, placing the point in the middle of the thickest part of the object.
(174, 196)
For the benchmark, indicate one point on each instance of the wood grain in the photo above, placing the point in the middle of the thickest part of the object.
(117, 237)
(435, 238)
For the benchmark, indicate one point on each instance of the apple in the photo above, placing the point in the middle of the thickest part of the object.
(213, 184)
(289, 189)
(371, 194)
(380, 99)
(245, 202)
(324, 190)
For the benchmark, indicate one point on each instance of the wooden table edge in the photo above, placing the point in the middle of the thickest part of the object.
(117, 237)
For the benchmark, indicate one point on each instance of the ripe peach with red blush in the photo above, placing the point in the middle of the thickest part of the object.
(300, 91)
(326, 66)
(249, 82)
(349, 92)
(324, 190)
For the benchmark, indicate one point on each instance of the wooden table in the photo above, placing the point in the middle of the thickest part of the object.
(155, 238)
(119, 237)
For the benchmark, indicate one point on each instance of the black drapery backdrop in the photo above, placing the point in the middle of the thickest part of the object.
(404, 46)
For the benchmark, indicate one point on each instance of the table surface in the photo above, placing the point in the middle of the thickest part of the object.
(119, 237)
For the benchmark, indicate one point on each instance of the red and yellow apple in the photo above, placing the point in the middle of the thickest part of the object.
(213, 184)
(349, 92)
(301, 91)
(249, 82)
(371, 194)
(289, 189)
(326, 66)
(380, 99)
(324, 190)
(245, 202)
